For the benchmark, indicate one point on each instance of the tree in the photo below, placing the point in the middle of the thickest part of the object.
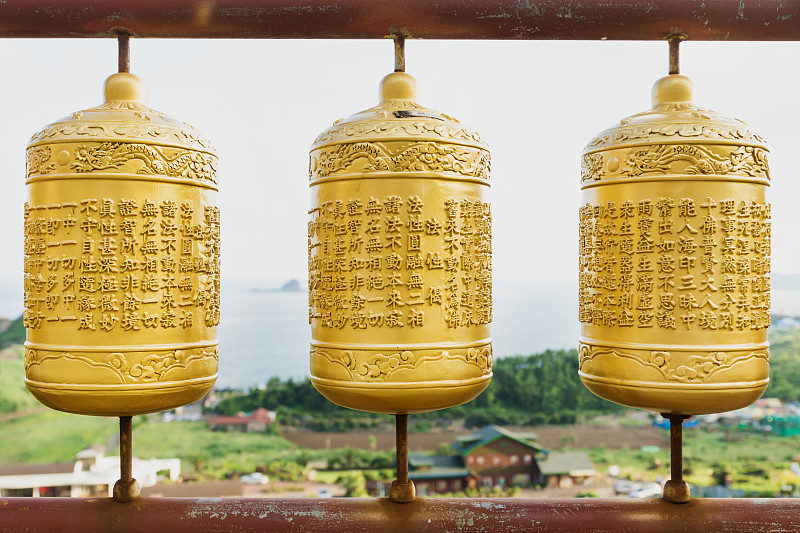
(354, 484)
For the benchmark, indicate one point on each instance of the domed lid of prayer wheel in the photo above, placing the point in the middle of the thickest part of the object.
(675, 120)
(398, 117)
(128, 130)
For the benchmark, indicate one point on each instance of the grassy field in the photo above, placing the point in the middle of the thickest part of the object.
(753, 462)
(51, 436)
(15, 397)
(210, 454)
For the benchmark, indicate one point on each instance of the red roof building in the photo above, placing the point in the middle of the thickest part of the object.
(257, 421)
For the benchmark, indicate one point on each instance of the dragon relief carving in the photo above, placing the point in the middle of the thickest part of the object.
(697, 368)
(417, 157)
(381, 367)
(111, 156)
(695, 160)
(37, 158)
(151, 368)
(592, 167)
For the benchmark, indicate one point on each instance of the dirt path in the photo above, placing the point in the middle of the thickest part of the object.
(593, 436)
(383, 440)
(550, 437)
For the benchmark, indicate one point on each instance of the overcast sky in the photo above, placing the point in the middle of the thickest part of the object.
(536, 104)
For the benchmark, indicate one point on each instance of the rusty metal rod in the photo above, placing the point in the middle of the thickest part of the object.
(674, 55)
(126, 489)
(676, 490)
(744, 20)
(402, 489)
(124, 52)
(676, 446)
(399, 53)
(185, 515)
(401, 438)
(126, 448)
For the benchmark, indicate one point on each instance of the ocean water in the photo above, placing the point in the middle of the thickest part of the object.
(264, 334)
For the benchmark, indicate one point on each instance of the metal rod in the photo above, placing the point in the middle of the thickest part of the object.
(399, 53)
(676, 490)
(676, 445)
(674, 55)
(124, 49)
(315, 515)
(126, 489)
(402, 489)
(401, 437)
(126, 448)
(710, 20)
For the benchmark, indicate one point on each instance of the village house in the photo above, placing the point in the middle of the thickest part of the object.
(431, 474)
(566, 469)
(91, 475)
(500, 457)
(438, 474)
(255, 422)
(489, 457)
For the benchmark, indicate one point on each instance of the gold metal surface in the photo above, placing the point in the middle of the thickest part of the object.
(400, 258)
(675, 259)
(121, 259)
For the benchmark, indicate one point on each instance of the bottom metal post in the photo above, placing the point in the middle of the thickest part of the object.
(126, 489)
(676, 490)
(402, 490)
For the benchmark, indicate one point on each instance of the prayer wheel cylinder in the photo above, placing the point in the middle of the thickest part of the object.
(399, 243)
(675, 259)
(121, 259)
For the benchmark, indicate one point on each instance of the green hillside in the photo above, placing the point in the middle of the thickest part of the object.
(14, 396)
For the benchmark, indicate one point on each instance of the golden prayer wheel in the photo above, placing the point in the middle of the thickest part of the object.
(121, 259)
(399, 258)
(675, 259)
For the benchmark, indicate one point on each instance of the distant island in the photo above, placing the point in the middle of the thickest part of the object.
(290, 286)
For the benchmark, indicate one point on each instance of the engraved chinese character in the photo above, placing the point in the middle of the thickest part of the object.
(107, 208)
(393, 318)
(415, 204)
(665, 320)
(185, 319)
(433, 226)
(665, 207)
(392, 204)
(88, 206)
(168, 208)
(373, 207)
(149, 209)
(434, 260)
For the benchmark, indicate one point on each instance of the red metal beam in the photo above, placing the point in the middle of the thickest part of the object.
(178, 515)
(756, 20)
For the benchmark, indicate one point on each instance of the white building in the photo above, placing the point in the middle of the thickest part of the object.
(92, 474)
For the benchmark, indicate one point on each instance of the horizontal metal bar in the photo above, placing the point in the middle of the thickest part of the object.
(755, 20)
(177, 515)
